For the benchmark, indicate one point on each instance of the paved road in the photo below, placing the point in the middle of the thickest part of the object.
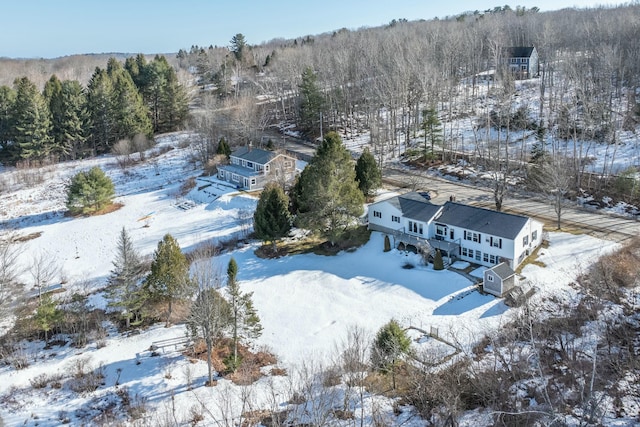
(595, 223)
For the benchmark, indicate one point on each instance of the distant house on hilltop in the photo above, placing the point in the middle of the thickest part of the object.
(478, 235)
(522, 61)
(252, 168)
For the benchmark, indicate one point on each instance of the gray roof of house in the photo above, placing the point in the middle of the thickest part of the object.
(255, 155)
(239, 170)
(502, 270)
(415, 206)
(482, 220)
(519, 51)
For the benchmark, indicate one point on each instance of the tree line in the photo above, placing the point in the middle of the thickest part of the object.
(67, 121)
(397, 82)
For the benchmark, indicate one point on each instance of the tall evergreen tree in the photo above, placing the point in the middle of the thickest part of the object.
(74, 120)
(311, 103)
(368, 174)
(7, 126)
(32, 121)
(272, 220)
(326, 193)
(53, 96)
(130, 114)
(245, 323)
(432, 129)
(169, 278)
(238, 46)
(223, 147)
(100, 110)
(124, 291)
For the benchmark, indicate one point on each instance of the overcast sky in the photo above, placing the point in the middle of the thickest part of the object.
(52, 28)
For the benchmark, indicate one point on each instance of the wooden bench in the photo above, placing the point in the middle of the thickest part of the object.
(177, 344)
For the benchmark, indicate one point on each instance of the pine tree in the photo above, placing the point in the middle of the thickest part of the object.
(74, 121)
(368, 174)
(124, 291)
(89, 191)
(311, 103)
(389, 346)
(100, 110)
(223, 147)
(131, 116)
(245, 323)
(53, 96)
(169, 277)
(48, 315)
(174, 103)
(327, 195)
(32, 121)
(272, 220)
(66, 102)
(7, 126)
(432, 130)
(238, 46)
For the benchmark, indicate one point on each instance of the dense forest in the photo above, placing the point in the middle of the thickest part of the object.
(122, 105)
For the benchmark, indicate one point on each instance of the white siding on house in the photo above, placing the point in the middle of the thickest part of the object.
(386, 212)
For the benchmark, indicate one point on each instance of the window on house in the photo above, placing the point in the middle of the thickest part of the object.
(478, 255)
(474, 237)
(525, 240)
(253, 181)
(415, 227)
(246, 182)
(525, 60)
(377, 214)
(485, 258)
(287, 164)
(235, 177)
(523, 68)
(496, 242)
(250, 165)
(489, 278)
(493, 259)
(534, 235)
(395, 218)
(441, 230)
(266, 168)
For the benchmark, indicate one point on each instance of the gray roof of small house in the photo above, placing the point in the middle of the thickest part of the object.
(256, 155)
(502, 270)
(239, 170)
(482, 220)
(415, 206)
(519, 51)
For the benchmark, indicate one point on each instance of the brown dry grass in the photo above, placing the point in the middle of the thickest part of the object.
(249, 370)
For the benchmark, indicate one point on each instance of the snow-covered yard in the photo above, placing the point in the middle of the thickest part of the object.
(306, 303)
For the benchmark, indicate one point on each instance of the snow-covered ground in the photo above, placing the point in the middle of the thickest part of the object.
(306, 303)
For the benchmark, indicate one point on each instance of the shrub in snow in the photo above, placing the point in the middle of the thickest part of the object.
(89, 191)
(438, 264)
(387, 244)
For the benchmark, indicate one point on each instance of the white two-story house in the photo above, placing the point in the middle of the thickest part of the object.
(459, 231)
(251, 168)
